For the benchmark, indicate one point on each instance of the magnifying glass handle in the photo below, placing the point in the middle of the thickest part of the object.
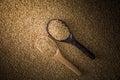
(84, 49)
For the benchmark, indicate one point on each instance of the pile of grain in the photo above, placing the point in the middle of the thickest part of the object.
(94, 23)
(46, 46)
(58, 30)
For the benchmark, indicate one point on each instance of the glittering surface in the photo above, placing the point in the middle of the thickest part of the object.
(94, 23)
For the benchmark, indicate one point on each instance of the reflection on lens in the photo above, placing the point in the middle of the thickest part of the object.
(58, 30)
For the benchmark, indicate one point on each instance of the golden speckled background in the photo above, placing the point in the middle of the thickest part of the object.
(94, 23)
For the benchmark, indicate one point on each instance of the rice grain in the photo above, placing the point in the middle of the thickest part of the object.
(58, 30)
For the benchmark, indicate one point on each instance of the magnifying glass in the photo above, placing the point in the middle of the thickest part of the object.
(58, 30)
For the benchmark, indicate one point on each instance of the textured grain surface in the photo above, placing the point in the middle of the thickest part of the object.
(46, 46)
(58, 30)
(94, 23)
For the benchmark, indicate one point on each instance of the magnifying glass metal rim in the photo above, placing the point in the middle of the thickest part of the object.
(65, 26)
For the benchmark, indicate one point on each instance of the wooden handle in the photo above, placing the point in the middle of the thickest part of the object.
(64, 61)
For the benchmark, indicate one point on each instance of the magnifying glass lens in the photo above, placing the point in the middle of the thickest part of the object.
(58, 30)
